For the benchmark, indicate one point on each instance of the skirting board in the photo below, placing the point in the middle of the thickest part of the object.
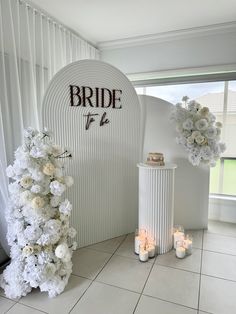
(222, 209)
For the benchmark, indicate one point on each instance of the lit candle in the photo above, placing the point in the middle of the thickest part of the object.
(143, 255)
(139, 238)
(136, 244)
(188, 245)
(151, 247)
(180, 252)
(178, 235)
(151, 250)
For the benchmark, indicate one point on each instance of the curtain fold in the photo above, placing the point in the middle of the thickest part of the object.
(33, 47)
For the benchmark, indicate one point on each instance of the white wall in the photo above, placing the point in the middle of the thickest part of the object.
(174, 53)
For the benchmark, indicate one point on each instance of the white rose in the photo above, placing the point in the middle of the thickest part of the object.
(65, 207)
(195, 133)
(188, 124)
(57, 188)
(37, 152)
(194, 106)
(201, 124)
(25, 197)
(26, 182)
(211, 133)
(28, 250)
(55, 200)
(62, 250)
(199, 139)
(190, 140)
(36, 189)
(48, 169)
(10, 171)
(37, 202)
(204, 111)
(30, 132)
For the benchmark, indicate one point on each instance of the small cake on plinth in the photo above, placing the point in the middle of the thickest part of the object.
(155, 159)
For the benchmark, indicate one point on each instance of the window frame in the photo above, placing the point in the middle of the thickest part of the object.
(164, 78)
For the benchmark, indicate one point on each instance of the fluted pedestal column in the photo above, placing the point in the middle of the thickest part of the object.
(156, 203)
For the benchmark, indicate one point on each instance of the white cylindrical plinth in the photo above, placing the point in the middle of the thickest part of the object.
(156, 203)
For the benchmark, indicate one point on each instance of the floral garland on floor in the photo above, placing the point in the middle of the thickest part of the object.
(198, 132)
(38, 219)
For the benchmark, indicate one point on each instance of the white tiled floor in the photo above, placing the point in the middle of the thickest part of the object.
(108, 279)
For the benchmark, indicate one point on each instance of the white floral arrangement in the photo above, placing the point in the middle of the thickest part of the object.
(198, 132)
(39, 232)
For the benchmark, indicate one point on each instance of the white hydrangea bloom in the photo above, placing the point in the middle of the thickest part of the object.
(57, 188)
(65, 207)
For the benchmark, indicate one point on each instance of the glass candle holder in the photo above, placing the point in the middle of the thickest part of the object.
(143, 252)
(188, 244)
(180, 250)
(178, 234)
(136, 242)
(151, 247)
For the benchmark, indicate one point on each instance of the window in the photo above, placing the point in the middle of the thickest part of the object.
(220, 97)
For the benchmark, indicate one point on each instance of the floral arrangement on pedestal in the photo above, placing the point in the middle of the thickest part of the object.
(198, 132)
(38, 219)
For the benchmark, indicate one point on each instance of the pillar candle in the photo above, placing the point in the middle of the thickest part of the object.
(137, 242)
(178, 236)
(151, 250)
(188, 245)
(143, 255)
(180, 252)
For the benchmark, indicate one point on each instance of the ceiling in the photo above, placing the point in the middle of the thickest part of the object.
(105, 20)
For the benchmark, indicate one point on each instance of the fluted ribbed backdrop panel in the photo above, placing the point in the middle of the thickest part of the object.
(156, 204)
(105, 190)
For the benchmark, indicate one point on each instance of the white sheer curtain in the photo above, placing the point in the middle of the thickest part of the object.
(33, 47)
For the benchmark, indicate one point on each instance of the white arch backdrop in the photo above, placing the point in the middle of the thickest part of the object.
(105, 193)
(191, 183)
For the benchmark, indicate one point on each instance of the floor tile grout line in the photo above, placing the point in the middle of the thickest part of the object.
(145, 284)
(29, 306)
(222, 234)
(188, 271)
(92, 280)
(155, 263)
(111, 285)
(200, 277)
(205, 312)
(219, 252)
(167, 301)
(11, 307)
(110, 258)
(218, 278)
